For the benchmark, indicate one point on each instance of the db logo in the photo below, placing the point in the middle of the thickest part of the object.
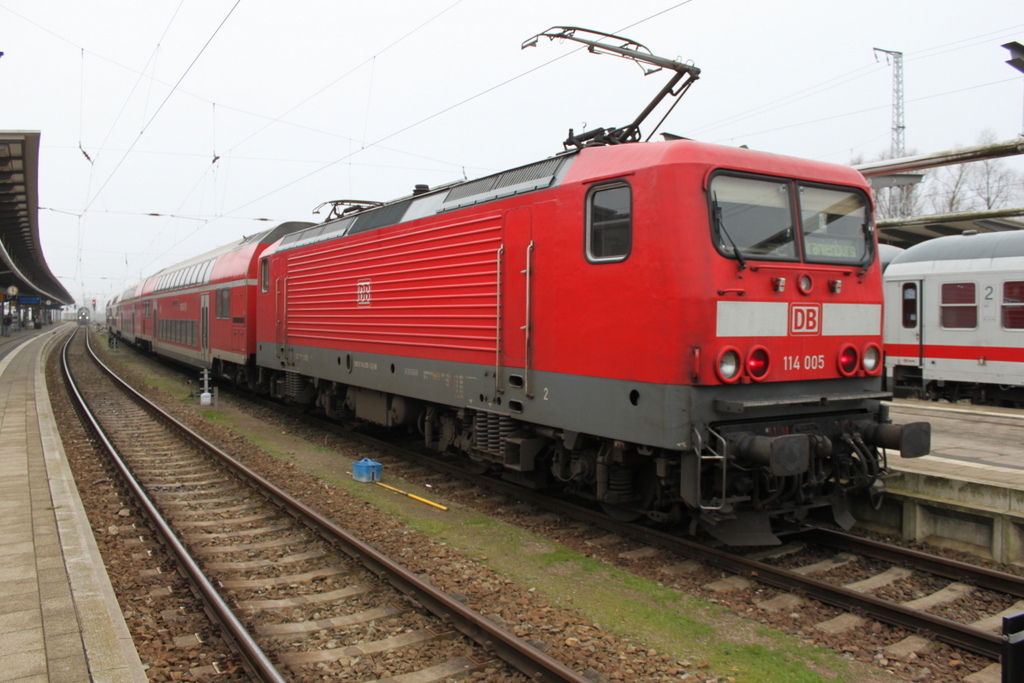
(363, 293)
(804, 319)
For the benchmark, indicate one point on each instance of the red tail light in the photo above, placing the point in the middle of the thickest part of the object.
(758, 363)
(848, 361)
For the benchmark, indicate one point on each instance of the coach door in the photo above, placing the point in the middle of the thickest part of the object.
(516, 297)
(909, 346)
(204, 326)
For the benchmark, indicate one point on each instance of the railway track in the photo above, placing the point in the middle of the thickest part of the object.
(807, 566)
(294, 592)
(811, 565)
(804, 567)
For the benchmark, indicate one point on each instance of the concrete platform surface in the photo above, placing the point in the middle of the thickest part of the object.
(59, 618)
(982, 444)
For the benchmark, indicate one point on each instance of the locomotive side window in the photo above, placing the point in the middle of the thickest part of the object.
(1013, 305)
(752, 217)
(834, 225)
(910, 305)
(264, 275)
(959, 306)
(609, 223)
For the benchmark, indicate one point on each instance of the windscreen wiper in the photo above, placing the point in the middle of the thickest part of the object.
(720, 224)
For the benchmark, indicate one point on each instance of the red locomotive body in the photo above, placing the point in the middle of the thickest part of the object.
(671, 327)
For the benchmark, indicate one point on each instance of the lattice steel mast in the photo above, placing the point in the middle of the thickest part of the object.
(898, 127)
(899, 196)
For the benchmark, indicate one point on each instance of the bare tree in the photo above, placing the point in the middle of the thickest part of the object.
(949, 191)
(976, 186)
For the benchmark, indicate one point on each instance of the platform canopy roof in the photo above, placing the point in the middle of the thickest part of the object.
(906, 232)
(21, 257)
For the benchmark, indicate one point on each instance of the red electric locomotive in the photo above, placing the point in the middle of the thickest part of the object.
(668, 328)
(676, 330)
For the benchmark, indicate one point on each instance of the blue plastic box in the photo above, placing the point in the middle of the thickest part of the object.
(366, 470)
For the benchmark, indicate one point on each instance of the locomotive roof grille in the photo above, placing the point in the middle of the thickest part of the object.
(527, 178)
(506, 183)
(380, 218)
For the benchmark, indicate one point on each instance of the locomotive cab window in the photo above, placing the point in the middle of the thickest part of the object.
(834, 225)
(609, 223)
(959, 306)
(753, 218)
(264, 276)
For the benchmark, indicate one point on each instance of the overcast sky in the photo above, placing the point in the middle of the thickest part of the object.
(306, 101)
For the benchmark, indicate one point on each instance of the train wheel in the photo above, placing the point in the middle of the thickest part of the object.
(476, 467)
(621, 514)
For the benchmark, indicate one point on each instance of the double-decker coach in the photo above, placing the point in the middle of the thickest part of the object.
(201, 311)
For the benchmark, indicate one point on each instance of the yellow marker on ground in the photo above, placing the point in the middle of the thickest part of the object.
(422, 500)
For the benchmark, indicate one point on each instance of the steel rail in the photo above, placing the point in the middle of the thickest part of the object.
(527, 659)
(256, 661)
(982, 577)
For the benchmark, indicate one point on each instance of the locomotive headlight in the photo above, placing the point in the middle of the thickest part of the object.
(728, 365)
(848, 361)
(805, 284)
(758, 363)
(871, 359)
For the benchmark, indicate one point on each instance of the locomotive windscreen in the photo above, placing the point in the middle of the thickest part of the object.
(833, 225)
(756, 217)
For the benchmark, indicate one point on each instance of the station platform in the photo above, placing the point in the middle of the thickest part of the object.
(59, 618)
(968, 493)
(982, 444)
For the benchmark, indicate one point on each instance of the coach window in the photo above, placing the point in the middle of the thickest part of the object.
(834, 225)
(264, 276)
(1013, 305)
(223, 304)
(752, 217)
(959, 306)
(910, 305)
(609, 223)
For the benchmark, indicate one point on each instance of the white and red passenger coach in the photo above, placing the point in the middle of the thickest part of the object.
(955, 320)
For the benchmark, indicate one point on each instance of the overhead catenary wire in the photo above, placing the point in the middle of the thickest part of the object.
(868, 109)
(443, 111)
(164, 102)
(270, 119)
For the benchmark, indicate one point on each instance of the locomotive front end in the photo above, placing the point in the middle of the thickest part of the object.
(787, 417)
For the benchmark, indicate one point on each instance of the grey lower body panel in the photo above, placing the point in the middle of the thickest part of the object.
(656, 415)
